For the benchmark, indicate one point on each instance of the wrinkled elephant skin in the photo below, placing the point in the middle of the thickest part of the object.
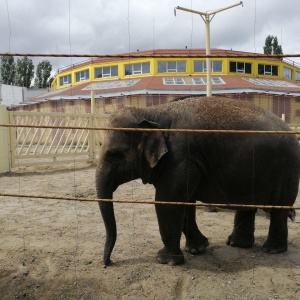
(261, 169)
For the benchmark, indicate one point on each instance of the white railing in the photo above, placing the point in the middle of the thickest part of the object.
(30, 145)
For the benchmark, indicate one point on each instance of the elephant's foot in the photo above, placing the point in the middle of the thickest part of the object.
(196, 246)
(277, 241)
(171, 257)
(275, 246)
(241, 241)
(242, 235)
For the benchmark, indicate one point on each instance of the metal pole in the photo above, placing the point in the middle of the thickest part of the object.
(92, 133)
(206, 18)
(92, 102)
(208, 59)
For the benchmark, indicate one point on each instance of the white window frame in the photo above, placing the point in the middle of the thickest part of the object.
(66, 79)
(199, 81)
(138, 68)
(191, 81)
(267, 72)
(217, 80)
(213, 66)
(83, 75)
(107, 74)
(240, 70)
(170, 69)
(287, 73)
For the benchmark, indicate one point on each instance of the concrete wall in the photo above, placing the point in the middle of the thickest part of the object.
(13, 95)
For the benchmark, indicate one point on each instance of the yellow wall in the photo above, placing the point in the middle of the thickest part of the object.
(154, 69)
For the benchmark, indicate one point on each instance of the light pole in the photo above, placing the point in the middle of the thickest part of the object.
(207, 18)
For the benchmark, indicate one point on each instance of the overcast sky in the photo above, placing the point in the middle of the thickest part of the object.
(120, 26)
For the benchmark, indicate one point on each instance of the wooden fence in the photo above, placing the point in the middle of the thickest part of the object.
(29, 145)
(33, 146)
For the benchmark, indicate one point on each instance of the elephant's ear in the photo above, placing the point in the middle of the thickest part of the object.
(154, 145)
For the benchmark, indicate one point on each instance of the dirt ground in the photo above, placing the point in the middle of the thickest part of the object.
(52, 249)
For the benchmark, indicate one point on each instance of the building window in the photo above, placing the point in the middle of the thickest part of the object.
(135, 69)
(174, 81)
(191, 81)
(271, 82)
(106, 72)
(240, 67)
(83, 75)
(217, 80)
(65, 80)
(171, 66)
(297, 76)
(267, 70)
(287, 73)
(200, 66)
(113, 84)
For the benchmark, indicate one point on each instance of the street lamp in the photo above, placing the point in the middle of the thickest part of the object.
(207, 18)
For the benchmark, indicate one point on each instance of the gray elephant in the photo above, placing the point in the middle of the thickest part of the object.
(261, 169)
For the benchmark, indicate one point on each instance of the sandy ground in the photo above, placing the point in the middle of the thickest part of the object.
(52, 249)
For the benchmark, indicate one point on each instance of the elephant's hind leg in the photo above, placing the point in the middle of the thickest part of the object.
(243, 232)
(278, 232)
(196, 242)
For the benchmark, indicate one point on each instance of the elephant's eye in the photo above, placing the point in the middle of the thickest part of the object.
(115, 155)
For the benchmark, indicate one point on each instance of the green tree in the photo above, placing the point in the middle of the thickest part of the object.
(8, 69)
(271, 45)
(268, 45)
(42, 75)
(277, 49)
(24, 72)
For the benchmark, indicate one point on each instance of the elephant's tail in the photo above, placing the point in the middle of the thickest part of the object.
(292, 214)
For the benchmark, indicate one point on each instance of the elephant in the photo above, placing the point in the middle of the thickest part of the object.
(211, 167)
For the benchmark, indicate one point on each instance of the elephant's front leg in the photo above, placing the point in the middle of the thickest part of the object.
(196, 242)
(170, 221)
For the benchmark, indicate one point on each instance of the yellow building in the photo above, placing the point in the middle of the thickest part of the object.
(179, 63)
(153, 77)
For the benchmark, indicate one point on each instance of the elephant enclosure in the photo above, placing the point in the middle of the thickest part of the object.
(52, 249)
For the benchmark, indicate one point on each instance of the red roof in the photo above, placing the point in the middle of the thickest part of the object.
(155, 85)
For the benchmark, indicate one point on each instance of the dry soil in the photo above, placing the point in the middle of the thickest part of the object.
(52, 249)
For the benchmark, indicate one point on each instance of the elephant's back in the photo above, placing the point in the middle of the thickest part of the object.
(222, 113)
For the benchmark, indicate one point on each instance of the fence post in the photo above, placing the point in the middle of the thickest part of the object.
(92, 132)
(5, 142)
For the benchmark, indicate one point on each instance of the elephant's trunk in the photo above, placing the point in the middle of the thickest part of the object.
(108, 215)
(107, 211)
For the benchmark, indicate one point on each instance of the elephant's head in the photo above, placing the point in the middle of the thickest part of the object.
(125, 156)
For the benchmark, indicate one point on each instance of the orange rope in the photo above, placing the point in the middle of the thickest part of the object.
(157, 129)
(140, 55)
(148, 202)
